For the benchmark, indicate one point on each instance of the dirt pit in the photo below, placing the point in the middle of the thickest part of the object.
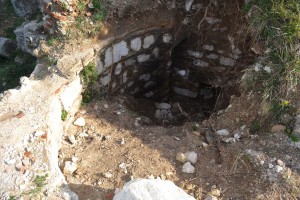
(118, 144)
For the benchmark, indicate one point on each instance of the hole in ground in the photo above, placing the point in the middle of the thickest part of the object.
(168, 83)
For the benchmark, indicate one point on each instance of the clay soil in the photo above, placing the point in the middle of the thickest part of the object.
(112, 138)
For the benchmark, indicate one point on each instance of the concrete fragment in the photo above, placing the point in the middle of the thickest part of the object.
(145, 189)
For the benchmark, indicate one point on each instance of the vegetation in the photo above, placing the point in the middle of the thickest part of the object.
(10, 72)
(89, 76)
(64, 115)
(276, 24)
(100, 10)
(39, 182)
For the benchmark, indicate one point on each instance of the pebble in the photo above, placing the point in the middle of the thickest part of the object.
(280, 163)
(70, 167)
(105, 106)
(215, 192)
(39, 133)
(74, 159)
(271, 166)
(210, 197)
(163, 106)
(107, 175)
(223, 132)
(10, 161)
(79, 122)
(72, 139)
(181, 157)
(278, 168)
(191, 157)
(278, 128)
(188, 168)
(204, 144)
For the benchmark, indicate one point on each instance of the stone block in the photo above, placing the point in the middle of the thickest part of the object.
(136, 44)
(227, 61)
(119, 50)
(148, 41)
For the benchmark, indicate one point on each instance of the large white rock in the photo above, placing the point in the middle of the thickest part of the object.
(145, 189)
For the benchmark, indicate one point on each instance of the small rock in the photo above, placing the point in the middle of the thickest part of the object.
(176, 138)
(280, 163)
(39, 133)
(74, 159)
(122, 142)
(80, 122)
(70, 167)
(278, 128)
(278, 168)
(107, 175)
(105, 105)
(204, 144)
(72, 139)
(10, 161)
(215, 192)
(123, 166)
(210, 197)
(237, 136)
(188, 168)
(181, 157)
(163, 106)
(271, 166)
(83, 112)
(223, 132)
(191, 157)
(188, 4)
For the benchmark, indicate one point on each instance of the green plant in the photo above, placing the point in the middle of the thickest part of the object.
(276, 24)
(294, 138)
(52, 40)
(255, 126)
(81, 6)
(89, 76)
(10, 72)
(100, 10)
(12, 198)
(64, 115)
(39, 182)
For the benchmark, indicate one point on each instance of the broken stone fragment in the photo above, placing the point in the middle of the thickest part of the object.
(79, 122)
(278, 128)
(70, 167)
(188, 168)
(223, 132)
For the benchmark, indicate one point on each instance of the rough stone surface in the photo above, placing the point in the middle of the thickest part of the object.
(7, 47)
(25, 8)
(143, 189)
(29, 35)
